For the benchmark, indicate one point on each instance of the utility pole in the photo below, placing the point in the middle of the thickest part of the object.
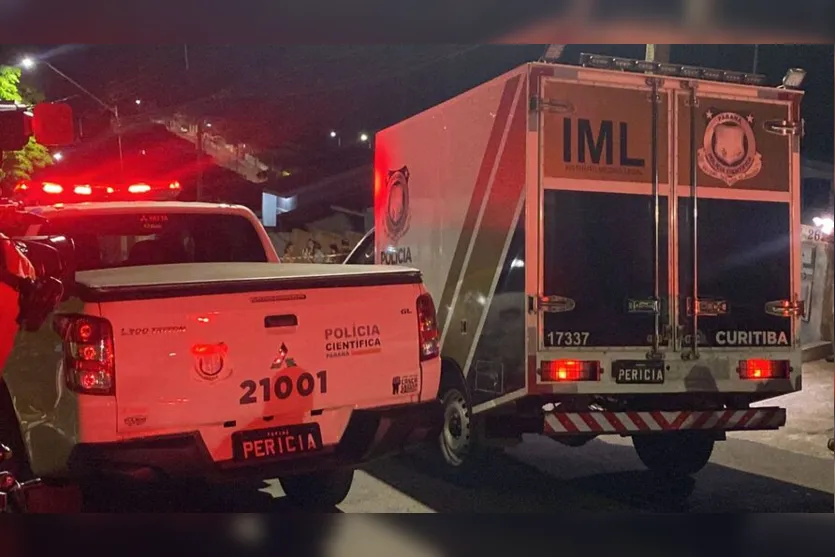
(199, 144)
(118, 123)
(756, 58)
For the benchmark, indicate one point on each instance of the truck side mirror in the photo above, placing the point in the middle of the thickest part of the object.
(52, 124)
(53, 257)
(14, 129)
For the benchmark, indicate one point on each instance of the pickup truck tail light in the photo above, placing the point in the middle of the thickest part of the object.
(428, 335)
(88, 353)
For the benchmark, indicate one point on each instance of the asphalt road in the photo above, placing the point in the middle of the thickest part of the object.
(790, 470)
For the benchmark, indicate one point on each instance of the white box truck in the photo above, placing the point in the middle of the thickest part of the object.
(613, 248)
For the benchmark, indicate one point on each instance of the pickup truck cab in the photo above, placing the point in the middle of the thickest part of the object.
(186, 350)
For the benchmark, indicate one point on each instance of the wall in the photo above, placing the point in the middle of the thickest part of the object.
(816, 287)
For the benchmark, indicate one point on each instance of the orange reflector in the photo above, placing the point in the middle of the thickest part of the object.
(83, 190)
(174, 185)
(109, 189)
(139, 188)
(763, 369)
(49, 187)
(570, 370)
(210, 349)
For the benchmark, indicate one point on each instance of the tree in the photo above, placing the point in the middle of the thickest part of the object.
(19, 165)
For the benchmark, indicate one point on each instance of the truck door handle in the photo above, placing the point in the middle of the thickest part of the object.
(276, 321)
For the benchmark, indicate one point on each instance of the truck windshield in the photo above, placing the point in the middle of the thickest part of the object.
(125, 240)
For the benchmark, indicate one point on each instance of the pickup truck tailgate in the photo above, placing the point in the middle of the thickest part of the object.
(245, 346)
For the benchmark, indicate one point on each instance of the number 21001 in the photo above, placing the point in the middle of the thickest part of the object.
(283, 387)
(566, 338)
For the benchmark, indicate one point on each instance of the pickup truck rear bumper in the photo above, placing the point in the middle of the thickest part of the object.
(370, 434)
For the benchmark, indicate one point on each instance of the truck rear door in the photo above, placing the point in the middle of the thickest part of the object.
(738, 231)
(604, 256)
(620, 263)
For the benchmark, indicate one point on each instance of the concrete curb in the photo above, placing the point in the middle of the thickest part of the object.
(816, 351)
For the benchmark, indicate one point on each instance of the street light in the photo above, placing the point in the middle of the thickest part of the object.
(337, 137)
(826, 224)
(138, 102)
(363, 137)
(57, 156)
(29, 63)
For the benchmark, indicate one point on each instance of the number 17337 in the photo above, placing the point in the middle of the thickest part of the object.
(566, 338)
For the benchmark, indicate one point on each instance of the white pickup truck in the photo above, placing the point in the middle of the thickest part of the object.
(185, 350)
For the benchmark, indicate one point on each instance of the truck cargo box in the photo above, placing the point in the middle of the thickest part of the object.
(588, 231)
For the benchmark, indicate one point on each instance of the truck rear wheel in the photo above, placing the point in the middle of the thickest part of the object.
(318, 490)
(674, 454)
(455, 440)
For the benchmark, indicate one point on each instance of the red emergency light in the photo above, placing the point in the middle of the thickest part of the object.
(54, 192)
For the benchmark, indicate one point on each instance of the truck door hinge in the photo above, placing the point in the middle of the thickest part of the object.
(713, 307)
(538, 103)
(785, 127)
(648, 305)
(785, 308)
(550, 304)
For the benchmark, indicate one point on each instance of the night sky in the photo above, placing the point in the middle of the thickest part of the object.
(272, 97)
(300, 92)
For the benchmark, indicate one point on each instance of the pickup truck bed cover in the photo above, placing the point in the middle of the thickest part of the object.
(202, 279)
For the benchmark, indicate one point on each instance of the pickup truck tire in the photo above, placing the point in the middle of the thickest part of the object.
(674, 454)
(318, 491)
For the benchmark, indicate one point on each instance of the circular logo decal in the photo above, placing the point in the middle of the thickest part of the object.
(729, 152)
(397, 204)
(210, 362)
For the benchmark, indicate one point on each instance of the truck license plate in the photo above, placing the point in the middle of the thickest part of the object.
(638, 372)
(276, 442)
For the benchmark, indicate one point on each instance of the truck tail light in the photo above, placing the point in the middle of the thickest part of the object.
(88, 353)
(570, 370)
(49, 187)
(428, 334)
(763, 369)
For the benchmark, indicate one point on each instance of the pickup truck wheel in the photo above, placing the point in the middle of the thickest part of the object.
(318, 490)
(674, 454)
(455, 439)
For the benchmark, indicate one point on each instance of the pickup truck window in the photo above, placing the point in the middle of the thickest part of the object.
(363, 253)
(108, 241)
